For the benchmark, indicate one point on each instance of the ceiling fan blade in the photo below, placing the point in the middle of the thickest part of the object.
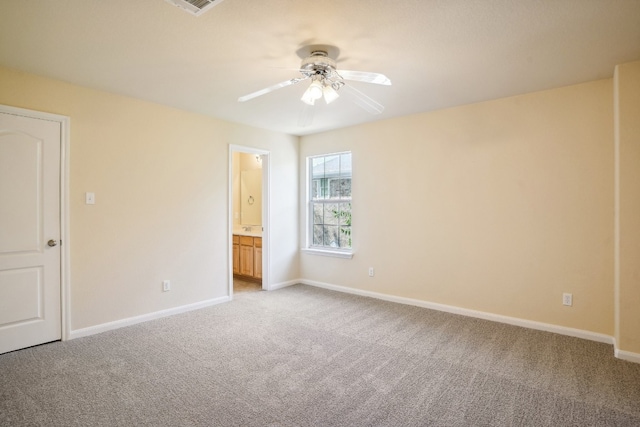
(363, 100)
(271, 88)
(306, 116)
(363, 76)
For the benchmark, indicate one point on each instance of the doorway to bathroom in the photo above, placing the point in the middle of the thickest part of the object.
(248, 219)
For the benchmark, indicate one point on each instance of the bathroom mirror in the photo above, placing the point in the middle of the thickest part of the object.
(251, 197)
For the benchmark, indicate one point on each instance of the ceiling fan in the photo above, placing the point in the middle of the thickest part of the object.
(327, 81)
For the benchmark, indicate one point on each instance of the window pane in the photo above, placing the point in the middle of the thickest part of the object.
(331, 236)
(319, 189)
(345, 237)
(334, 188)
(345, 165)
(331, 214)
(344, 213)
(318, 217)
(340, 188)
(331, 166)
(317, 167)
(317, 235)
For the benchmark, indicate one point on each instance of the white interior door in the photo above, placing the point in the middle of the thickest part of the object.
(30, 302)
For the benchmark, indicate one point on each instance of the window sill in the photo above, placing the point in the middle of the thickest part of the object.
(327, 252)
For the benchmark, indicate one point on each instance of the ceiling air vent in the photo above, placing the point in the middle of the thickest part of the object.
(195, 7)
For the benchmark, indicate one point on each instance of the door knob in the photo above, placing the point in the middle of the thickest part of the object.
(52, 243)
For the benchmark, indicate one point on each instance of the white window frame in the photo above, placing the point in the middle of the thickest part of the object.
(322, 250)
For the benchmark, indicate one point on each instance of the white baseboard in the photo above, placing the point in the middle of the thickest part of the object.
(276, 286)
(91, 330)
(572, 332)
(626, 355)
(578, 333)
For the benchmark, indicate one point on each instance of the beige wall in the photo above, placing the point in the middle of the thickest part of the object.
(161, 181)
(500, 206)
(627, 91)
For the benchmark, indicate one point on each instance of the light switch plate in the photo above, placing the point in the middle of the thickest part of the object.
(90, 198)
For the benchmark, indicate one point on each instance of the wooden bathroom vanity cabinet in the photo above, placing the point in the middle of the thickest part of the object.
(247, 257)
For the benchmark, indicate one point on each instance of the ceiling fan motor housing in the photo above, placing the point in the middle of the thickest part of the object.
(320, 67)
(318, 61)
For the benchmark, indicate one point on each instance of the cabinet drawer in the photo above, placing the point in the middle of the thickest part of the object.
(257, 242)
(236, 239)
(246, 240)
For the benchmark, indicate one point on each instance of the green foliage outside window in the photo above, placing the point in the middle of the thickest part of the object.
(344, 217)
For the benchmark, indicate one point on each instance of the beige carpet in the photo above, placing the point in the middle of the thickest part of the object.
(303, 356)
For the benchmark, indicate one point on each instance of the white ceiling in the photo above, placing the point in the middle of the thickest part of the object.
(437, 53)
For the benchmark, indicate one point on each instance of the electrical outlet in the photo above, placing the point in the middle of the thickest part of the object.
(166, 286)
(370, 271)
(567, 299)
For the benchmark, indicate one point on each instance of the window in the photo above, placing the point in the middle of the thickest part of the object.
(330, 202)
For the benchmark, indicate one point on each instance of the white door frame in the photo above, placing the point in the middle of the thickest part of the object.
(65, 259)
(266, 208)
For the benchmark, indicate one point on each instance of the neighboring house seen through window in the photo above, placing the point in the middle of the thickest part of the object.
(330, 201)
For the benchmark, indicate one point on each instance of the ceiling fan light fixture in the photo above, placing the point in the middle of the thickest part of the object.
(307, 99)
(315, 89)
(313, 92)
(330, 94)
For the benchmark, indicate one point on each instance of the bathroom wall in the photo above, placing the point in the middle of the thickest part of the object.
(245, 162)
